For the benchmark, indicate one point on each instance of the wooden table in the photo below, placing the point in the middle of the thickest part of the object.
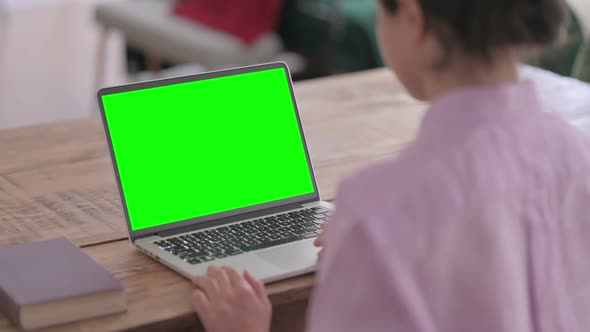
(57, 180)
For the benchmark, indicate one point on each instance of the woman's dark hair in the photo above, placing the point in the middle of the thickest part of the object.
(481, 26)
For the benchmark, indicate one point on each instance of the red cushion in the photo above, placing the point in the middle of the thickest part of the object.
(245, 19)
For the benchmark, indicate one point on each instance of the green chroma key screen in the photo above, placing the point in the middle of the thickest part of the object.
(199, 148)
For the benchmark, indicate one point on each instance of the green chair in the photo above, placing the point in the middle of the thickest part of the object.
(333, 35)
(569, 58)
(581, 69)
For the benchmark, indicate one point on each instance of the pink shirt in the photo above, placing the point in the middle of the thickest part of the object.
(482, 224)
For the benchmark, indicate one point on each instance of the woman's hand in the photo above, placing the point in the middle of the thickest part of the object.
(227, 301)
(319, 241)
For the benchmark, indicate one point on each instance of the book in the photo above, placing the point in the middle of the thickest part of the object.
(53, 282)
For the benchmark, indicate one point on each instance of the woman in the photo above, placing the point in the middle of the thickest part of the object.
(480, 224)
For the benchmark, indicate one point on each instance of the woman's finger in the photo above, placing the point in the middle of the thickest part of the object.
(235, 278)
(321, 253)
(319, 241)
(220, 276)
(207, 285)
(201, 304)
(256, 285)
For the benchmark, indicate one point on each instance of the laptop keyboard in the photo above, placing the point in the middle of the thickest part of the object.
(231, 240)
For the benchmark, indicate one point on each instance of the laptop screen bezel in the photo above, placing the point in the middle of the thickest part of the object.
(135, 234)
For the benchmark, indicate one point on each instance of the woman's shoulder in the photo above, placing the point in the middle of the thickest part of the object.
(407, 179)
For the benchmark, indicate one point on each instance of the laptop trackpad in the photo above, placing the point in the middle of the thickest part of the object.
(297, 256)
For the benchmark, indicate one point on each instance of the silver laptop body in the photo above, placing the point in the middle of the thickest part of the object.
(272, 240)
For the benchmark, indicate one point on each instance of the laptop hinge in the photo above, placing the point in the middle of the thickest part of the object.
(228, 220)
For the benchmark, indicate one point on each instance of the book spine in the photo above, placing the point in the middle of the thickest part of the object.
(9, 308)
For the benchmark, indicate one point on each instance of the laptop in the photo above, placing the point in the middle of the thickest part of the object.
(213, 169)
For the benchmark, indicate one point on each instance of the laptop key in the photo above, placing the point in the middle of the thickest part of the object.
(310, 229)
(233, 252)
(216, 251)
(205, 258)
(309, 235)
(215, 244)
(201, 252)
(242, 244)
(193, 261)
(227, 247)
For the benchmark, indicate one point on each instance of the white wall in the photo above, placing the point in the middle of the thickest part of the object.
(582, 9)
(34, 3)
(48, 61)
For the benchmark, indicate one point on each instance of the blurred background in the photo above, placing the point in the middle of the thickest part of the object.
(55, 54)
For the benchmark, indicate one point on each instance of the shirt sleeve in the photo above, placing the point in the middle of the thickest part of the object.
(426, 270)
(343, 299)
